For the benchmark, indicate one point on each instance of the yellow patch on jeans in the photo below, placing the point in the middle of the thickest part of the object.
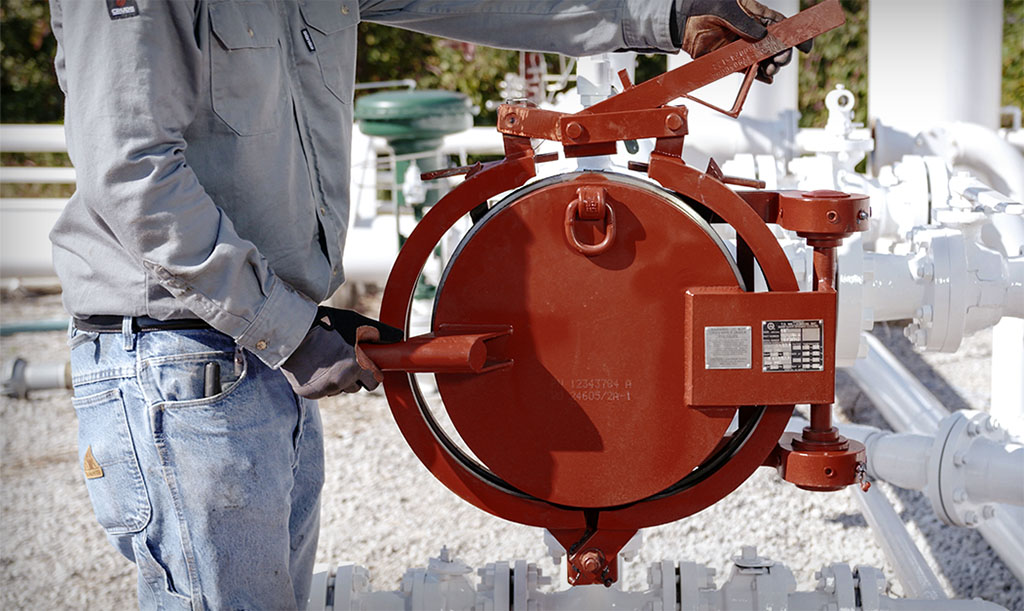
(92, 469)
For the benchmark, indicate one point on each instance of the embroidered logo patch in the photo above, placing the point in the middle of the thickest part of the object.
(92, 469)
(122, 9)
(309, 40)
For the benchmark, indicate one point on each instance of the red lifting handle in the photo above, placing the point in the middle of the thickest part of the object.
(736, 56)
(454, 353)
(590, 205)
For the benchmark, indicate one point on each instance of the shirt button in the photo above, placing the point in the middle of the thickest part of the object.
(323, 210)
(261, 345)
(251, 33)
(344, 9)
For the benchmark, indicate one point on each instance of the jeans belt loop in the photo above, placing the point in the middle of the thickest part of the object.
(127, 335)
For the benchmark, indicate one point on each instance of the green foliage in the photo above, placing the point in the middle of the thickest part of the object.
(28, 84)
(29, 92)
(477, 75)
(838, 57)
(1013, 53)
(435, 63)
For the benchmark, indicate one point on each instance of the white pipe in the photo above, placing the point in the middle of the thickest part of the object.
(981, 149)
(900, 397)
(909, 407)
(901, 459)
(995, 471)
(1005, 534)
(23, 138)
(38, 176)
(1007, 365)
(916, 577)
(954, 70)
(892, 293)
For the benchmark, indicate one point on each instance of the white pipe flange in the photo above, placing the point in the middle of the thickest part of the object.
(947, 467)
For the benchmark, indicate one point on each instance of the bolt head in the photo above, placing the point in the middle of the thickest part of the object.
(988, 512)
(574, 130)
(674, 122)
(591, 561)
(925, 270)
(971, 518)
(959, 495)
(960, 458)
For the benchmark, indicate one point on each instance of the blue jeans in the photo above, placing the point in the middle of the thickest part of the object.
(215, 499)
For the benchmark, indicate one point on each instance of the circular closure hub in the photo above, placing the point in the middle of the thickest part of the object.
(592, 412)
(826, 216)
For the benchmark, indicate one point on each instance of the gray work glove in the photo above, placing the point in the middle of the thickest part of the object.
(703, 26)
(326, 362)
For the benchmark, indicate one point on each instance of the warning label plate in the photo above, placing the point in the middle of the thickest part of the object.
(792, 345)
(727, 348)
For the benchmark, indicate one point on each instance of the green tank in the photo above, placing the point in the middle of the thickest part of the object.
(415, 122)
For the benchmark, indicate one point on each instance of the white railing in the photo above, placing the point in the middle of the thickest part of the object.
(25, 222)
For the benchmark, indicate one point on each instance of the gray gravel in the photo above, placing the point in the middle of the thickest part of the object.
(382, 509)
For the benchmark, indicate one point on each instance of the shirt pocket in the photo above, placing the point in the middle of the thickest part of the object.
(106, 453)
(332, 31)
(246, 76)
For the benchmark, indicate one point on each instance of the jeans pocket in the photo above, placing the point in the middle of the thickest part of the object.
(107, 454)
(166, 593)
(181, 379)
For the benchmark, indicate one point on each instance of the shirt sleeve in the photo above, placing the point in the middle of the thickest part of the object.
(132, 82)
(570, 27)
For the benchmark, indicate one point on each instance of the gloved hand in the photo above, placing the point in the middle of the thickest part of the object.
(708, 25)
(326, 363)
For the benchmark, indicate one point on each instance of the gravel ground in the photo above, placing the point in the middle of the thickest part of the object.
(382, 509)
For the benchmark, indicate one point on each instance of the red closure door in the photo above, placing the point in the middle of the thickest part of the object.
(590, 271)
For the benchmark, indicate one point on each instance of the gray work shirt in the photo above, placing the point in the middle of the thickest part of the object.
(211, 143)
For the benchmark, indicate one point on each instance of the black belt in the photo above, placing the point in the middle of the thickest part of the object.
(114, 324)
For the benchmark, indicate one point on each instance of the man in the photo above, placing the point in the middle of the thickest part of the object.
(211, 142)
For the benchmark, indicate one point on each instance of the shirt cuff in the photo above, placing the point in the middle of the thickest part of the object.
(280, 325)
(645, 25)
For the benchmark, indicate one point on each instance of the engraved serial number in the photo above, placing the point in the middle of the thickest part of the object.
(595, 383)
(597, 389)
(601, 395)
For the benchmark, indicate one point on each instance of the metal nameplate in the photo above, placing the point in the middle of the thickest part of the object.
(727, 347)
(792, 345)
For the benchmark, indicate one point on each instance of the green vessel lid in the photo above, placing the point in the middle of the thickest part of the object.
(406, 105)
